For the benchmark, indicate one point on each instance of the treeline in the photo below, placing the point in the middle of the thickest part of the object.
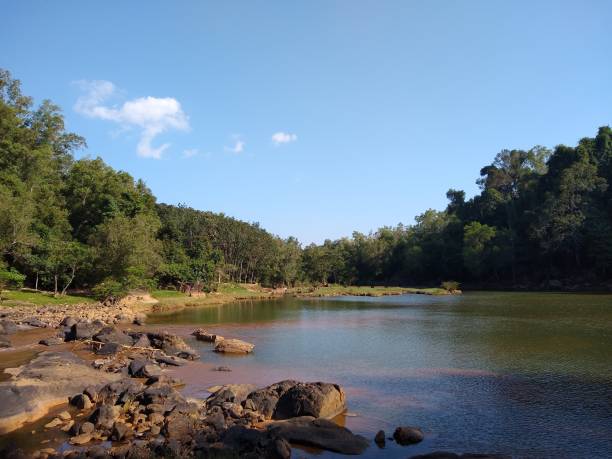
(542, 219)
(541, 216)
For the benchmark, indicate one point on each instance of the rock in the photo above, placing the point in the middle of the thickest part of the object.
(91, 392)
(142, 341)
(202, 335)
(53, 341)
(139, 318)
(54, 423)
(265, 400)
(64, 416)
(320, 400)
(104, 416)
(46, 381)
(239, 441)
(68, 321)
(8, 327)
(68, 426)
(151, 370)
(81, 439)
(234, 346)
(155, 430)
(406, 435)
(87, 427)
(320, 433)
(83, 330)
(222, 368)
(109, 349)
(4, 341)
(170, 360)
(113, 335)
(380, 439)
(81, 401)
(179, 427)
(235, 393)
(172, 345)
(156, 418)
(35, 322)
(121, 431)
(136, 366)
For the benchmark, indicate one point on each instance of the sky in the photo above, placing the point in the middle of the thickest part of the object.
(314, 118)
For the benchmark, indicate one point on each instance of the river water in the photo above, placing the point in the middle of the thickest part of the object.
(526, 374)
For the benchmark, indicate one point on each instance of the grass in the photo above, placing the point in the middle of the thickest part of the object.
(225, 293)
(31, 297)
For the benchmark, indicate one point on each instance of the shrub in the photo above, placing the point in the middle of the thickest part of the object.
(450, 286)
(110, 291)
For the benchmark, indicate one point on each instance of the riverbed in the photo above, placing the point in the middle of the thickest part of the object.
(525, 374)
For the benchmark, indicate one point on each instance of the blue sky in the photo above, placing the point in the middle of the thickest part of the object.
(378, 107)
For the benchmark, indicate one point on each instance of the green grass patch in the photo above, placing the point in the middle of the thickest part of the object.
(340, 290)
(159, 294)
(18, 297)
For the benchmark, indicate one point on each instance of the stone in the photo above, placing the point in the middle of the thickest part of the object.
(235, 393)
(320, 433)
(53, 341)
(234, 346)
(265, 400)
(8, 327)
(170, 360)
(380, 439)
(81, 401)
(87, 427)
(151, 370)
(113, 335)
(142, 341)
(91, 392)
(43, 383)
(320, 400)
(172, 345)
(202, 335)
(104, 416)
(240, 441)
(139, 318)
(64, 416)
(83, 330)
(179, 427)
(68, 321)
(35, 322)
(5, 342)
(68, 426)
(121, 431)
(109, 349)
(81, 439)
(221, 368)
(156, 418)
(406, 435)
(54, 423)
(136, 366)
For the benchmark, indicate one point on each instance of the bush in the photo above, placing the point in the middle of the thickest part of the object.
(11, 278)
(110, 291)
(450, 286)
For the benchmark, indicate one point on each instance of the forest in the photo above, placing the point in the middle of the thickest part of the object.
(542, 219)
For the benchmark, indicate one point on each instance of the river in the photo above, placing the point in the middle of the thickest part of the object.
(526, 374)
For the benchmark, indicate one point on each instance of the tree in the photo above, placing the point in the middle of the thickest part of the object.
(477, 250)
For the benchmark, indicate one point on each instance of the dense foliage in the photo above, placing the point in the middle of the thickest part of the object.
(541, 215)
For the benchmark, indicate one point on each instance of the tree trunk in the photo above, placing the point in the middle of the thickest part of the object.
(69, 282)
(55, 287)
(36, 283)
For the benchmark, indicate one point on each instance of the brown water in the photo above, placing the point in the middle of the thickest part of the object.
(526, 374)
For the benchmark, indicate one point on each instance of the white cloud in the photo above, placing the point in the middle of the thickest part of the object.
(153, 115)
(238, 146)
(280, 138)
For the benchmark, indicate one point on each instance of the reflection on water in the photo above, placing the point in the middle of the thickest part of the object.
(520, 373)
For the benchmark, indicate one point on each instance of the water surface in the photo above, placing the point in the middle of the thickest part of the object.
(518, 373)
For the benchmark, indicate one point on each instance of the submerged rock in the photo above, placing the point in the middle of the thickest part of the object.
(202, 335)
(53, 341)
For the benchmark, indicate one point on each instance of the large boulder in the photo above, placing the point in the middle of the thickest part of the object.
(234, 346)
(239, 441)
(84, 330)
(320, 433)
(46, 381)
(265, 400)
(4, 341)
(8, 327)
(321, 400)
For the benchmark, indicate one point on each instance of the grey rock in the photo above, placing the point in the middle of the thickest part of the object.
(320, 400)
(319, 433)
(113, 335)
(53, 341)
(407, 435)
(81, 401)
